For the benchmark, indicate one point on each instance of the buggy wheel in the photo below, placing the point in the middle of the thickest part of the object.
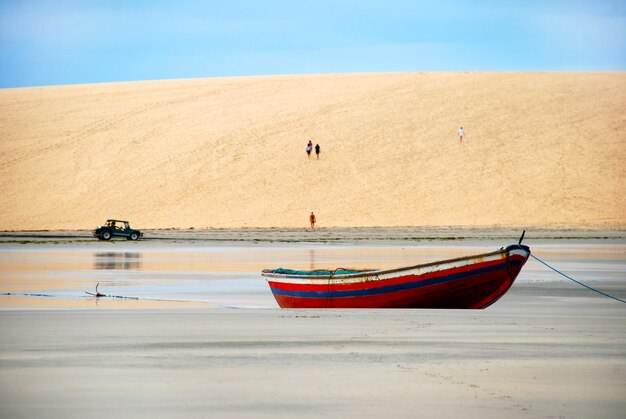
(134, 236)
(105, 235)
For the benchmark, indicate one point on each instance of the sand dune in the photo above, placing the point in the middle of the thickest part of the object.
(541, 149)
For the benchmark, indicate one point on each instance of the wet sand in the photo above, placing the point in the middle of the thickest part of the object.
(536, 353)
(297, 236)
(206, 339)
(175, 269)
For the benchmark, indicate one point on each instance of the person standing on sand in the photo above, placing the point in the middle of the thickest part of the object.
(312, 220)
(317, 151)
(461, 133)
(309, 147)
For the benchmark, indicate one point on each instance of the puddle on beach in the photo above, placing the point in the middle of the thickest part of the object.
(171, 276)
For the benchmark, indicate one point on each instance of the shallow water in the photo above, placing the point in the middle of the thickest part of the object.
(152, 275)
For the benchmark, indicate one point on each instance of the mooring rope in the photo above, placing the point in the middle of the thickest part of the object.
(578, 282)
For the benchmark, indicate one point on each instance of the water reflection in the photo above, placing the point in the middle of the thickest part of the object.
(230, 275)
(117, 260)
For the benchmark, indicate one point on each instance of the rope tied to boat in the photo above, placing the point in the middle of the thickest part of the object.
(578, 282)
(333, 272)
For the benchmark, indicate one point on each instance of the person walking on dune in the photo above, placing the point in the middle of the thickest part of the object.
(317, 151)
(309, 147)
(312, 220)
(461, 133)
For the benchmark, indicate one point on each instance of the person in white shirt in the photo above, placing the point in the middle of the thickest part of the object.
(461, 133)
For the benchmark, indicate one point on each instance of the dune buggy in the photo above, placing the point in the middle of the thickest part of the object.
(116, 228)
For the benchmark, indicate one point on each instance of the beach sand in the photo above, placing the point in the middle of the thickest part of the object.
(547, 349)
(202, 336)
(541, 149)
(541, 352)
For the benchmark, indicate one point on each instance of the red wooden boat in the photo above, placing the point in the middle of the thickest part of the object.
(472, 282)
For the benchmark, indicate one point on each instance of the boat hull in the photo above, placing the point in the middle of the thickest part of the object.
(473, 282)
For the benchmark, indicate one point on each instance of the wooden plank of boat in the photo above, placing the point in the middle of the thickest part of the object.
(472, 282)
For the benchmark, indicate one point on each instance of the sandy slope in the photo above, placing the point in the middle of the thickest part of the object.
(541, 149)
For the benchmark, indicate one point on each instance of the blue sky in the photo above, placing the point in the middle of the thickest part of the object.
(49, 42)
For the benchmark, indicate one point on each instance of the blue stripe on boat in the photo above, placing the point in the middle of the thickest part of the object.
(392, 288)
